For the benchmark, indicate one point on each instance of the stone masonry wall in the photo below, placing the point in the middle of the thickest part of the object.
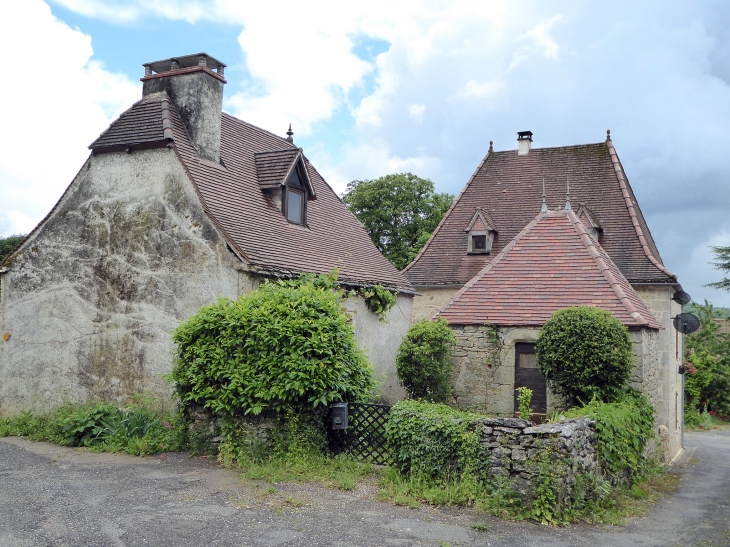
(665, 349)
(516, 447)
(484, 367)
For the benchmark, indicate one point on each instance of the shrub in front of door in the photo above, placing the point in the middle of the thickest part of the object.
(585, 353)
(424, 363)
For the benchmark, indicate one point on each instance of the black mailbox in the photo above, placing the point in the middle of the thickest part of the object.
(339, 416)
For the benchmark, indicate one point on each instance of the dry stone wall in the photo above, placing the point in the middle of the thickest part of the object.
(516, 448)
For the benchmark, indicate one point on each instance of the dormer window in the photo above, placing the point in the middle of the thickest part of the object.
(480, 233)
(479, 243)
(283, 176)
(294, 206)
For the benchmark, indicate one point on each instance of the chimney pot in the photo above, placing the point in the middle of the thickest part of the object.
(524, 140)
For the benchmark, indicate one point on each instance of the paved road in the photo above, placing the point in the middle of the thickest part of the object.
(55, 496)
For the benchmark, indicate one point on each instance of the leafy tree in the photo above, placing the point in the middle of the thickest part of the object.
(423, 363)
(707, 381)
(585, 352)
(286, 345)
(722, 254)
(399, 212)
(9, 243)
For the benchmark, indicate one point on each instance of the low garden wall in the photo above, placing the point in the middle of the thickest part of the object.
(517, 449)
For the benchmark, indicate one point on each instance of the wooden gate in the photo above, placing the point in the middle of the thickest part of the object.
(528, 375)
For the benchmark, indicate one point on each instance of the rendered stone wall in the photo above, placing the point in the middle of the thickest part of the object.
(91, 298)
(381, 339)
(668, 391)
(430, 300)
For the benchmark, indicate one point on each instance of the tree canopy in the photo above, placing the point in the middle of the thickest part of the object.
(722, 254)
(707, 379)
(9, 243)
(399, 211)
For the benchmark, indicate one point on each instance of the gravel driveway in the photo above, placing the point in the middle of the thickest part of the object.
(56, 496)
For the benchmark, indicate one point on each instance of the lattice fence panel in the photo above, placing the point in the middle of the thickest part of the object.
(364, 438)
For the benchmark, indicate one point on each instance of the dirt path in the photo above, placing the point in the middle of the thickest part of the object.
(55, 496)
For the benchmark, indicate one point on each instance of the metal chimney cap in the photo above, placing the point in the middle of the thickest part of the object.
(524, 135)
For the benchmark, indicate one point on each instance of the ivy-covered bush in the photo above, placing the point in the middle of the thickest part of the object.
(433, 440)
(623, 428)
(585, 353)
(284, 345)
(424, 364)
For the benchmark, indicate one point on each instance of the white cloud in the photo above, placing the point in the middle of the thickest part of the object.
(57, 104)
(17, 223)
(415, 111)
(481, 89)
(368, 161)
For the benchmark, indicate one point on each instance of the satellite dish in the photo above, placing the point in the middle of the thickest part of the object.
(681, 297)
(686, 323)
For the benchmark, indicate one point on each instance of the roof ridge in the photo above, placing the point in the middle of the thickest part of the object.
(632, 212)
(593, 249)
(554, 147)
(493, 262)
(451, 208)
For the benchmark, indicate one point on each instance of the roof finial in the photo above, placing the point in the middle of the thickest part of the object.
(289, 134)
(490, 146)
(544, 201)
(567, 196)
(608, 134)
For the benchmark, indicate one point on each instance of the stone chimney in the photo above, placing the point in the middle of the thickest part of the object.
(194, 84)
(524, 139)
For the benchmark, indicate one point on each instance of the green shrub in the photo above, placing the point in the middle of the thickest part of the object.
(432, 440)
(585, 353)
(623, 429)
(424, 364)
(137, 429)
(286, 344)
(524, 397)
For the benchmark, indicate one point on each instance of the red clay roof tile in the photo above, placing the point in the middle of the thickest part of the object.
(550, 265)
(509, 188)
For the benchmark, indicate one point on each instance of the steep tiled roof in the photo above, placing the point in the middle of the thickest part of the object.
(250, 221)
(145, 125)
(509, 188)
(550, 265)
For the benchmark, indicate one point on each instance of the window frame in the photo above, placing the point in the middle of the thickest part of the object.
(488, 241)
(299, 188)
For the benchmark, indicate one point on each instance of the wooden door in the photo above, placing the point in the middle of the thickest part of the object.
(527, 374)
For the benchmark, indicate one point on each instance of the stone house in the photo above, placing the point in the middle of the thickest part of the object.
(178, 204)
(486, 228)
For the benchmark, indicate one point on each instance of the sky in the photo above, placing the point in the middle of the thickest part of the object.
(376, 87)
